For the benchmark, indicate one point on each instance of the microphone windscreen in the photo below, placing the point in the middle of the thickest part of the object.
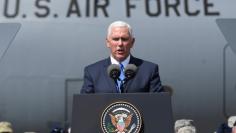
(113, 71)
(130, 71)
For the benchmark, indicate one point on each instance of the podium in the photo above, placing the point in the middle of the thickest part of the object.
(144, 113)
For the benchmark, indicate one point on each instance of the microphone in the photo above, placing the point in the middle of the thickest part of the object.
(130, 71)
(114, 71)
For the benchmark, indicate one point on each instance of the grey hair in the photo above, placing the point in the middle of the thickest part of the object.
(231, 121)
(119, 24)
(183, 123)
(187, 129)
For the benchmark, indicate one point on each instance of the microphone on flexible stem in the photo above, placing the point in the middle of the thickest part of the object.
(114, 71)
(130, 71)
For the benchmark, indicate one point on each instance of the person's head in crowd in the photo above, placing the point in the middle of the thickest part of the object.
(184, 126)
(120, 40)
(231, 121)
(187, 129)
(6, 127)
(226, 127)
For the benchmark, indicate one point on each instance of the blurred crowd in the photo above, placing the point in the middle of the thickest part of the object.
(6, 127)
(181, 126)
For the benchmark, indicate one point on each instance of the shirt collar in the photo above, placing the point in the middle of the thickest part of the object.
(124, 63)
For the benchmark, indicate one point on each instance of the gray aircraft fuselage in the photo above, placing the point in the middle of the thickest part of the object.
(41, 64)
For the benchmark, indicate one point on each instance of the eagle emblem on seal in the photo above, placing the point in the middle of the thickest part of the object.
(121, 117)
(121, 122)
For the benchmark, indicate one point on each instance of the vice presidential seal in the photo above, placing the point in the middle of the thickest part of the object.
(121, 117)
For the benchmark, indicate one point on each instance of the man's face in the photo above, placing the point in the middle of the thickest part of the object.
(120, 43)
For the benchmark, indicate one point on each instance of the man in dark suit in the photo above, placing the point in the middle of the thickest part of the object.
(120, 40)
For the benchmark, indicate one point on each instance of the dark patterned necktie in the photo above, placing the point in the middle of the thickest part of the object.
(121, 79)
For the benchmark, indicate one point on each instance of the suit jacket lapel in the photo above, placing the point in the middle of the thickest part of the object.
(110, 82)
(134, 61)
